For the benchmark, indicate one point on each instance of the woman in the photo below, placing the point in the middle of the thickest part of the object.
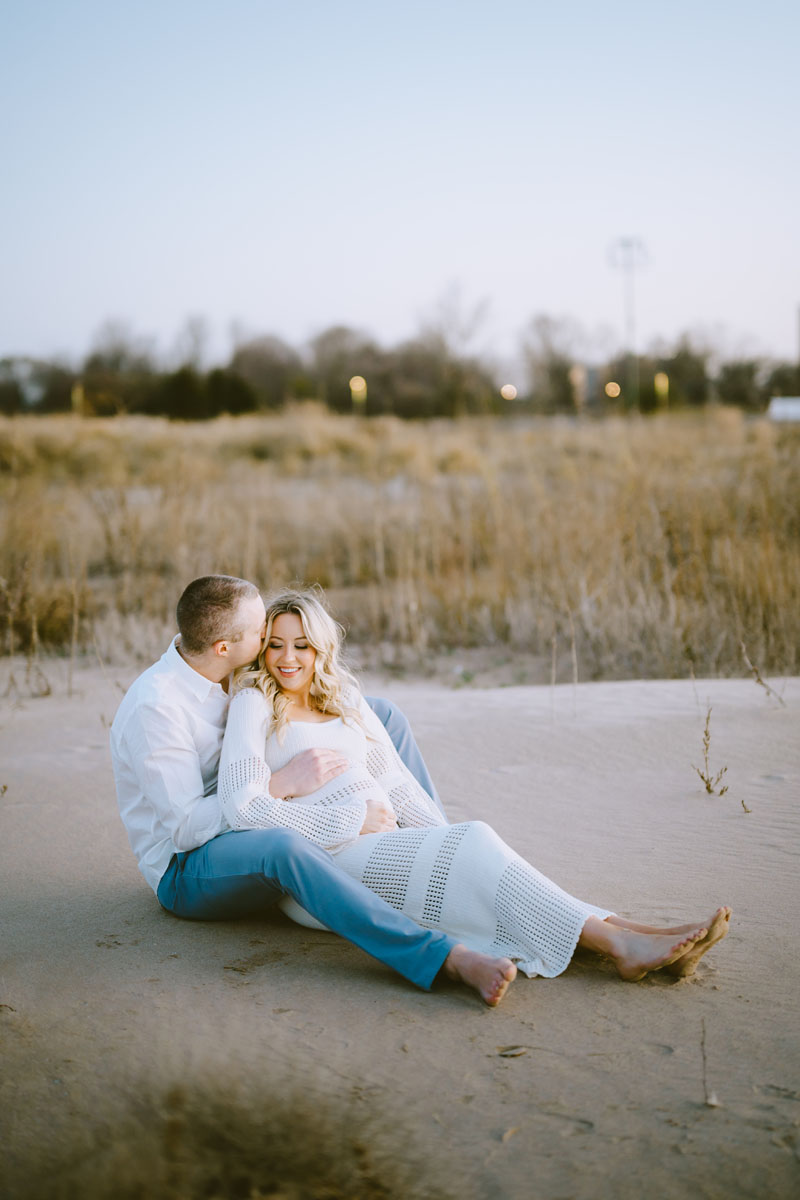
(385, 830)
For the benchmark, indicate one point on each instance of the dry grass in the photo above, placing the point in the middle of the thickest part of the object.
(214, 1141)
(710, 780)
(638, 548)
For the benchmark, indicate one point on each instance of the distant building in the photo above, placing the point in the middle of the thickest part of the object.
(784, 408)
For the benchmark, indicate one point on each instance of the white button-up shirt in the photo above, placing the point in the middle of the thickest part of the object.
(165, 747)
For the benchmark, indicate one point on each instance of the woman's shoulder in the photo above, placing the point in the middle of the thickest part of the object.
(249, 695)
(352, 697)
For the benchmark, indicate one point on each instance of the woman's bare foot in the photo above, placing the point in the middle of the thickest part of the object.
(717, 928)
(634, 954)
(489, 977)
(624, 923)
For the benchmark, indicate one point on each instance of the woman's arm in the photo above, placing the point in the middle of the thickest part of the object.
(396, 725)
(412, 805)
(244, 782)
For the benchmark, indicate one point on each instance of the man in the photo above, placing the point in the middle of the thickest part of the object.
(165, 747)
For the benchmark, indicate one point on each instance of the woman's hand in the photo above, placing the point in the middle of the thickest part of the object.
(380, 817)
(306, 772)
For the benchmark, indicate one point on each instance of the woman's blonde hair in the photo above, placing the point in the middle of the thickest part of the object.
(333, 685)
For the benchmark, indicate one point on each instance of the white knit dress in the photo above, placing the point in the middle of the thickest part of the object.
(462, 879)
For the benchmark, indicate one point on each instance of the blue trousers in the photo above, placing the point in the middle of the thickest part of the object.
(244, 873)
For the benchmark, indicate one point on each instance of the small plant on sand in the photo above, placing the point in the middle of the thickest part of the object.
(710, 781)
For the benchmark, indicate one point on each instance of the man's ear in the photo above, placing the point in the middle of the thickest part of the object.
(221, 648)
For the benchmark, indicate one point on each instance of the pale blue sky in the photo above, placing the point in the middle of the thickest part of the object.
(288, 166)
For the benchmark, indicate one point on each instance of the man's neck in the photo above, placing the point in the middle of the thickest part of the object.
(209, 669)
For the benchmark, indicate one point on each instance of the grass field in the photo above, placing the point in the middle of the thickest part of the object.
(608, 550)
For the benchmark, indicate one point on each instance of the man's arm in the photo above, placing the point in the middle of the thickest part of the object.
(160, 753)
(411, 804)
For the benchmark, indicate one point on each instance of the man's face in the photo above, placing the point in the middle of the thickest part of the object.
(251, 618)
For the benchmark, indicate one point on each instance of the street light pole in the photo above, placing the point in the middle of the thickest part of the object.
(626, 254)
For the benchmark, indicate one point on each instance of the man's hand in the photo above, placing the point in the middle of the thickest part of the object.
(306, 772)
(380, 817)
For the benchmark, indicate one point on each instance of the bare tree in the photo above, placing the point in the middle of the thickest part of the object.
(268, 365)
(550, 346)
(191, 344)
(446, 344)
(337, 354)
(119, 373)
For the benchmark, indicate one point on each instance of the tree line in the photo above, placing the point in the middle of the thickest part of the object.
(432, 375)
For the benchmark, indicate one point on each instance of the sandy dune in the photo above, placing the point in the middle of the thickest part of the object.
(107, 1003)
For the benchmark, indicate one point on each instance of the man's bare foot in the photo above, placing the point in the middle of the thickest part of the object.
(489, 977)
(634, 954)
(717, 928)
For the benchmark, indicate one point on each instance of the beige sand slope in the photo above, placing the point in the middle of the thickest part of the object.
(107, 1003)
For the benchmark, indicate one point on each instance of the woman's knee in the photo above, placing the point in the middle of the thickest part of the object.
(483, 831)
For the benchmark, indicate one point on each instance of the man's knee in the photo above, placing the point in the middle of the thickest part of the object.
(395, 722)
(276, 846)
(384, 710)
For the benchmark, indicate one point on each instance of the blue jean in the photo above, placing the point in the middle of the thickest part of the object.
(243, 873)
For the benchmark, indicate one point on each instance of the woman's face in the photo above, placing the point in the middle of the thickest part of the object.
(289, 657)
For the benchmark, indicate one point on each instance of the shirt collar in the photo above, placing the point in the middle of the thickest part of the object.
(197, 683)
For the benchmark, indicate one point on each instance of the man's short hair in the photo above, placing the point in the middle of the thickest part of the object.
(208, 611)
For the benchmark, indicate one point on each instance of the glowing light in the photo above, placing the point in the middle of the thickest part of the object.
(613, 389)
(358, 393)
(661, 384)
(508, 391)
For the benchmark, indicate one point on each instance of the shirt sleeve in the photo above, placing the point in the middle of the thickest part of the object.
(163, 757)
(412, 805)
(244, 783)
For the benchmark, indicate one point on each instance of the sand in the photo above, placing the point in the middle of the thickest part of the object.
(126, 1034)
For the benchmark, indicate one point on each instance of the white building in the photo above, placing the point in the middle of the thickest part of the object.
(784, 408)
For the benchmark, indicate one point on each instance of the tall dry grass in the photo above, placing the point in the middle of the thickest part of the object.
(204, 1139)
(637, 548)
